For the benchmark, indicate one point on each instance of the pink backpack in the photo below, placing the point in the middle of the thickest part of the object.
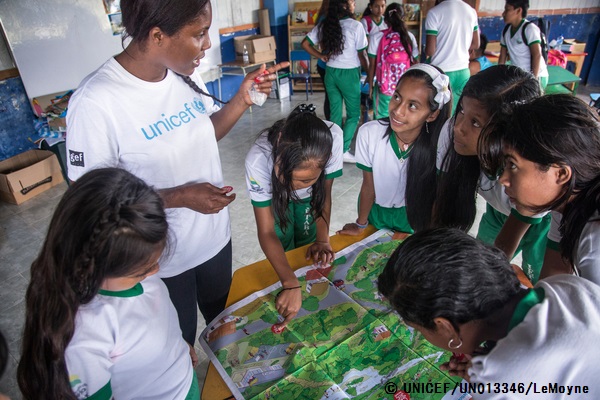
(392, 61)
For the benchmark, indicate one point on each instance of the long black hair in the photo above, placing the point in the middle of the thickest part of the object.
(394, 18)
(108, 224)
(445, 273)
(555, 130)
(421, 173)
(331, 37)
(140, 16)
(499, 89)
(299, 138)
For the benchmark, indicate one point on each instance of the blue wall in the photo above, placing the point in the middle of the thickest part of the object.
(582, 27)
(16, 119)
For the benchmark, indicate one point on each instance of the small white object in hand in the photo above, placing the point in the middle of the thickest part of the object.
(257, 97)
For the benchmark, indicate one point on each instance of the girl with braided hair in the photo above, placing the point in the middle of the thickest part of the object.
(343, 42)
(147, 110)
(98, 322)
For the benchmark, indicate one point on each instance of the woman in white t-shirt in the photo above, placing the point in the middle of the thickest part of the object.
(98, 324)
(148, 111)
(463, 296)
(289, 173)
(549, 150)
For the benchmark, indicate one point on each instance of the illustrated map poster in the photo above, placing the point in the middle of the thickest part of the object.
(344, 343)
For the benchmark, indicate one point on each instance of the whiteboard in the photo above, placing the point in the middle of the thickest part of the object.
(57, 43)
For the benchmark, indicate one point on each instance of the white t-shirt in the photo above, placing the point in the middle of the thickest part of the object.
(376, 153)
(375, 27)
(131, 341)
(259, 167)
(375, 39)
(355, 40)
(587, 252)
(453, 23)
(160, 132)
(556, 342)
(519, 52)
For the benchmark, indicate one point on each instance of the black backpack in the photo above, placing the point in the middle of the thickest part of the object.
(544, 26)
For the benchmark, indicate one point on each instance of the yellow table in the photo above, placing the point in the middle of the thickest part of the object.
(257, 276)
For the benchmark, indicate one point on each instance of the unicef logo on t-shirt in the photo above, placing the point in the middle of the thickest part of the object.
(198, 105)
(168, 123)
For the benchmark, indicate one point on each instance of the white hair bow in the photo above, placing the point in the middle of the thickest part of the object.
(442, 85)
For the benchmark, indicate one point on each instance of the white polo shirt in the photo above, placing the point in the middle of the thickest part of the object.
(453, 23)
(519, 52)
(355, 40)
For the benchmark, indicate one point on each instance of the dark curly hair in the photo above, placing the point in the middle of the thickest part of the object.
(331, 37)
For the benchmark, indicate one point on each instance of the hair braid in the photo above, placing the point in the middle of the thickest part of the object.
(194, 86)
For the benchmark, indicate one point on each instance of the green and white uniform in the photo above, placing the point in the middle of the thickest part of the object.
(128, 345)
(259, 169)
(452, 22)
(587, 251)
(552, 339)
(498, 208)
(381, 155)
(342, 79)
(520, 53)
(382, 101)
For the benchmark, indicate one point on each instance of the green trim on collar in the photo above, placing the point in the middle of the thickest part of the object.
(402, 155)
(105, 393)
(523, 218)
(533, 297)
(516, 30)
(136, 290)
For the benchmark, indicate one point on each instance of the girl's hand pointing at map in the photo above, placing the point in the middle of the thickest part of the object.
(288, 302)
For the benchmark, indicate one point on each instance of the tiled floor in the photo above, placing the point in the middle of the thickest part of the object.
(22, 228)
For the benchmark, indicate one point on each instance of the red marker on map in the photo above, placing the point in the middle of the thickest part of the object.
(277, 330)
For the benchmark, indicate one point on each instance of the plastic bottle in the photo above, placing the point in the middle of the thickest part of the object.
(245, 56)
(559, 41)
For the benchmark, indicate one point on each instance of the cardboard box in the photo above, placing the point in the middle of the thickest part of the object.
(28, 174)
(260, 48)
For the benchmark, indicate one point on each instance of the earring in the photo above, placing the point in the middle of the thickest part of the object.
(454, 347)
(427, 127)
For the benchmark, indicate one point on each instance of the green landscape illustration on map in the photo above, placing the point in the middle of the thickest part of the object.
(344, 343)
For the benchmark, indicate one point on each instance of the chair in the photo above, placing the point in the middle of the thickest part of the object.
(300, 69)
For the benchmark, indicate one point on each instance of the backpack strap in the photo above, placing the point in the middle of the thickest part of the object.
(369, 24)
(506, 28)
(523, 32)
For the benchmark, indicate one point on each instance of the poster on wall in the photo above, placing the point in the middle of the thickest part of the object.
(116, 23)
(112, 6)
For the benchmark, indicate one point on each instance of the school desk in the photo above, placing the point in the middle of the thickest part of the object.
(240, 68)
(257, 276)
(561, 78)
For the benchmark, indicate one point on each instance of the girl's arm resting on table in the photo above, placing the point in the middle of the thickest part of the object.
(502, 57)
(510, 235)
(554, 264)
(200, 197)
(367, 198)
(224, 119)
(320, 250)
(288, 302)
